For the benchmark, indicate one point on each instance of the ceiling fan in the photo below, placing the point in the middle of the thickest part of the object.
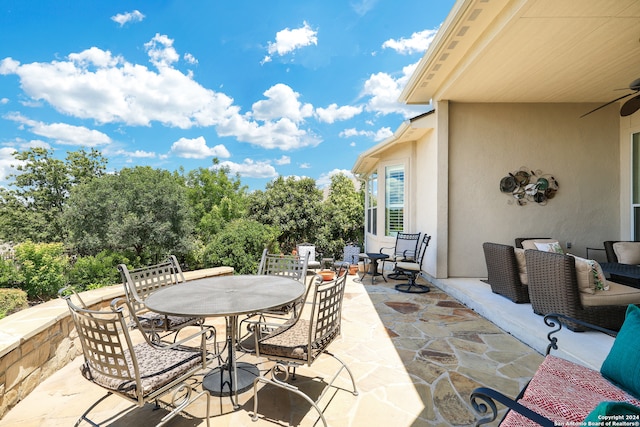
(629, 107)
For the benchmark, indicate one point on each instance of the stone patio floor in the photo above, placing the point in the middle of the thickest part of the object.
(416, 358)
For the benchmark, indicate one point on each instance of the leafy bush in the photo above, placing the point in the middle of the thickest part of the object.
(92, 272)
(240, 245)
(12, 300)
(41, 268)
(9, 276)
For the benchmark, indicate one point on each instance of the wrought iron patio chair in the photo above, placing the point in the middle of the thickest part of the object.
(308, 250)
(406, 249)
(303, 341)
(412, 269)
(292, 266)
(141, 372)
(142, 282)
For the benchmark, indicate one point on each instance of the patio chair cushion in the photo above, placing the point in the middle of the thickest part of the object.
(157, 368)
(151, 320)
(522, 265)
(617, 294)
(290, 342)
(627, 252)
(589, 275)
(564, 392)
(622, 365)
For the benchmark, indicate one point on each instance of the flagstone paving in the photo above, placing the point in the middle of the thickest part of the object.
(416, 359)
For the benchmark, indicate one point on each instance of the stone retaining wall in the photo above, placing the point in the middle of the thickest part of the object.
(36, 342)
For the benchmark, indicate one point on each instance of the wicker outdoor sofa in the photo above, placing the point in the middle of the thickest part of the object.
(554, 287)
(564, 393)
(503, 272)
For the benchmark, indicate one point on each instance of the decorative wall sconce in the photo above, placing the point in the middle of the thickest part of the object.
(526, 185)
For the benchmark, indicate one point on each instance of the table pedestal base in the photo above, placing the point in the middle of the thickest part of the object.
(219, 382)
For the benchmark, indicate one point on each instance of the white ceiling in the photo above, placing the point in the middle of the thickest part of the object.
(531, 51)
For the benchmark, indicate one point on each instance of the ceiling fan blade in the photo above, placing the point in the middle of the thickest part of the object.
(608, 103)
(630, 107)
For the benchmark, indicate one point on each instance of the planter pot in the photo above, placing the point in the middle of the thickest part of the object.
(353, 269)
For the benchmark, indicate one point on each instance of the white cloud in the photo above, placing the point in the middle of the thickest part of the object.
(284, 160)
(325, 179)
(6, 162)
(138, 154)
(305, 166)
(363, 6)
(161, 51)
(190, 58)
(249, 168)
(63, 133)
(288, 40)
(123, 18)
(418, 42)
(378, 135)
(196, 148)
(282, 102)
(94, 84)
(333, 113)
(4, 101)
(383, 92)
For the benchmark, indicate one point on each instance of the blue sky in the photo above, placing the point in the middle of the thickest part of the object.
(292, 88)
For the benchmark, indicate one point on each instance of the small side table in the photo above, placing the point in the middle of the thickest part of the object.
(374, 258)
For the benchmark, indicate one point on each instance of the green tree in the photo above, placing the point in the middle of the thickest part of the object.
(343, 212)
(42, 184)
(240, 245)
(141, 209)
(216, 199)
(292, 205)
(41, 269)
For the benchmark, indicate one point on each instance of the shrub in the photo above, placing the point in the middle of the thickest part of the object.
(9, 276)
(12, 300)
(92, 272)
(240, 245)
(41, 268)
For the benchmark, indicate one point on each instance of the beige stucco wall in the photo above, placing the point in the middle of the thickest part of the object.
(486, 141)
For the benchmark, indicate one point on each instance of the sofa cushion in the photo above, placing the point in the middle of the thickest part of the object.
(545, 245)
(565, 392)
(622, 365)
(522, 265)
(589, 275)
(627, 252)
(617, 294)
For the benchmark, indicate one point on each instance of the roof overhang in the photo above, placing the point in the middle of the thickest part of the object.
(530, 51)
(409, 131)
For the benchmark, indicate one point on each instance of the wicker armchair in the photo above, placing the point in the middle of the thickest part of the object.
(503, 273)
(553, 288)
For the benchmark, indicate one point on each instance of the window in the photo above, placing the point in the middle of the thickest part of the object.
(394, 200)
(372, 204)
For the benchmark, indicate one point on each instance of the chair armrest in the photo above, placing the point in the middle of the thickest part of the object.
(386, 247)
(483, 398)
(554, 320)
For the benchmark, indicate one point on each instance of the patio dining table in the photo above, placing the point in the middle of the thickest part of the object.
(228, 296)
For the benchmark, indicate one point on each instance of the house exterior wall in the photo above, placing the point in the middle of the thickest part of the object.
(487, 141)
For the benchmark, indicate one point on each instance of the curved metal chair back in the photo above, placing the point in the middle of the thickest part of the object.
(304, 340)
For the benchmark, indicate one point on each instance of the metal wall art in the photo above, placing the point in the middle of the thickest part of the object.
(526, 185)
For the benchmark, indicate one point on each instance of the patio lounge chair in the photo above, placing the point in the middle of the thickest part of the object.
(142, 282)
(506, 274)
(412, 269)
(555, 287)
(406, 249)
(140, 373)
(303, 341)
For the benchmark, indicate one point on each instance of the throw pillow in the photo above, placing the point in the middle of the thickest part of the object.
(622, 364)
(522, 265)
(627, 252)
(531, 243)
(549, 247)
(590, 275)
(606, 409)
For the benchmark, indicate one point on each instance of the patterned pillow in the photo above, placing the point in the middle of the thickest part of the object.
(590, 275)
(549, 247)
